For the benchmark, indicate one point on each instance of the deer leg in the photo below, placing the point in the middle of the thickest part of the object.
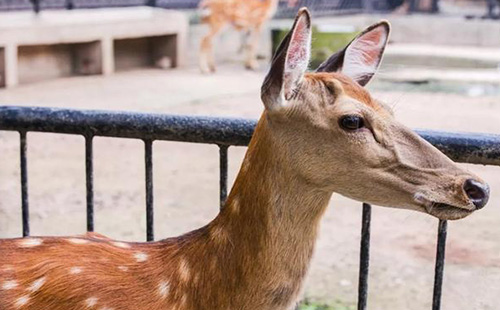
(207, 62)
(244, 40)
(251, 49)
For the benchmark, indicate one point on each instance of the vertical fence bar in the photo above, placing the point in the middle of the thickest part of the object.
(364, 257)
(148, 156)
(36, 6)
(413, 6)
(439, 268)
(223, 174)
(89, 179)
(368, 6)
(24, 184)
(435, 6)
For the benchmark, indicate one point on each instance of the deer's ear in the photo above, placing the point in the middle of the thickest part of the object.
(289, 63)
(361, 58)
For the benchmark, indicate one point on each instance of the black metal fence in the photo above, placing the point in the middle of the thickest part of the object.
(224, 132)
(318, 7)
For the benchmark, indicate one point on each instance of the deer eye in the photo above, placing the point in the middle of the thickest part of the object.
(351, 122)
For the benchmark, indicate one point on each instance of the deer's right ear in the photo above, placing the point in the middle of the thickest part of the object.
(361, 58)
(289, 64)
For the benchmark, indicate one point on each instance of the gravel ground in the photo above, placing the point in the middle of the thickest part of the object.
(403, 242)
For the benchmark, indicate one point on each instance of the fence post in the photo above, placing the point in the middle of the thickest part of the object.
(434, 6)
(70, 5)
(152, 3)
(24, 184)
(36, 6)
(364, 257)
(89, 180)
(368, 6)
(439, 267)
(223, 174)
(413, 6)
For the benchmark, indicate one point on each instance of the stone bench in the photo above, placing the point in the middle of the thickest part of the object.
(82, 42)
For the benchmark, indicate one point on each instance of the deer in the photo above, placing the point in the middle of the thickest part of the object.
(321, 133)
(246, 16)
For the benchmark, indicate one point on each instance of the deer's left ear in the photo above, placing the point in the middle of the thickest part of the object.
(289, 63)
(361, 58)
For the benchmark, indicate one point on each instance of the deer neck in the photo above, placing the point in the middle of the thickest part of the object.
(272, 215)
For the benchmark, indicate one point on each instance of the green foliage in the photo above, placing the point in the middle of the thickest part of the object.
(311, 305)
(324, 44)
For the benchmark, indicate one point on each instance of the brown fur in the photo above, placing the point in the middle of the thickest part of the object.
(350, 87)
(252, 256)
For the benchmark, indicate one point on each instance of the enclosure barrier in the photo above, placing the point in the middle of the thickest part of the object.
(224, 132)
(318, 7)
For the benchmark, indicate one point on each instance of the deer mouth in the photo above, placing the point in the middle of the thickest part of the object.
(441, 210)
(445, 211)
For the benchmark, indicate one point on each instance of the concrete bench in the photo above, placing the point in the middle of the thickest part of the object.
(81, 42)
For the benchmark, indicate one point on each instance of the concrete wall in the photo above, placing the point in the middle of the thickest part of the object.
(61, 43)
(93, 54)
(42, 62)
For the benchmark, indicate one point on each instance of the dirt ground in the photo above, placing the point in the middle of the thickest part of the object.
(186, 186)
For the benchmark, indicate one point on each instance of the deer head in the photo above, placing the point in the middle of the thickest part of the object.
(340, 138)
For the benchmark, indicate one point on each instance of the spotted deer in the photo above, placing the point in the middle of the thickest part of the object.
(320, 133)
(248, 16)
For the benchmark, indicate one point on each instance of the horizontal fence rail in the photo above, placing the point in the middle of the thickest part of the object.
(474, 148)
(225, 132)
(318, 7)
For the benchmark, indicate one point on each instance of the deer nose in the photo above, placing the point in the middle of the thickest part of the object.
(477, 192)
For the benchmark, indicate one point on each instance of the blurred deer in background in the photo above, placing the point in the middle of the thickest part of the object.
(320, 133)
(247, 16)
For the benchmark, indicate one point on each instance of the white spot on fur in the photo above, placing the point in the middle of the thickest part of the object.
(121, 245)
(235, 206)
(30, 242)
(36, 285)
(75, 270)
(93, 235)
(205, 12)
(123, 268)
(8, 285)
(90, 302)
(219, 234)
(184, 270)
(196, 278)
(21, 301)
(214, 265)
(163, 289)
(105, 308)
(77, 241)
(7, 268)
(183, 300)
(141, 257)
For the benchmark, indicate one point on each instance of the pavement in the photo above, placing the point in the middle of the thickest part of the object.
(186, 185)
